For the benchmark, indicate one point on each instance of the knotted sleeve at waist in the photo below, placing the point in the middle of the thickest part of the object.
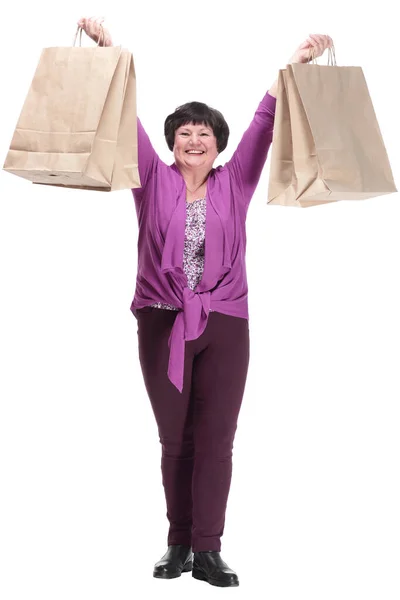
(190, 322)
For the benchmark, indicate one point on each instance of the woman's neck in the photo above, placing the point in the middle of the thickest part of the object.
(194, 179)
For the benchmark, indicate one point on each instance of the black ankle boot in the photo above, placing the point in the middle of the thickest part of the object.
(177, 560)
(209, 566)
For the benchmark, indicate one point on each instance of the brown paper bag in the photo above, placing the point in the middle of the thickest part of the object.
(327, 145)
(78, 126)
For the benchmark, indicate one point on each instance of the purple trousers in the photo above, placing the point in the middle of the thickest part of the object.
(196, 428)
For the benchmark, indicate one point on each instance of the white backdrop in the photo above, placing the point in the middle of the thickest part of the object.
(313, 508)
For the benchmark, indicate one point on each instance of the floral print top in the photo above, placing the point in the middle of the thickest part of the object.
(193, 254)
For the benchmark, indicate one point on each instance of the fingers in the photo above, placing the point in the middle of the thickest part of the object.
(317, 40)
(93, 27)
(92, 24)
(324, 41)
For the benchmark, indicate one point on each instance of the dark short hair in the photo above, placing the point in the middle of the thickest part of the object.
(197, 113)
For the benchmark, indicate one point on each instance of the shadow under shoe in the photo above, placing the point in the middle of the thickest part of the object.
(177, 560)
(209, 566)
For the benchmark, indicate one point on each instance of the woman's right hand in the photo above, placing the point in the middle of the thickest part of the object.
(92, 28)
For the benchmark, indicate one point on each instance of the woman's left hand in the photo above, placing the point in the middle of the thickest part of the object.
(320, 44)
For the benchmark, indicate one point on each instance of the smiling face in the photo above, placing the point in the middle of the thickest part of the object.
(199, 138)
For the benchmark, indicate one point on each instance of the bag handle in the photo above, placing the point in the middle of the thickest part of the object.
(80, 29)
(331, 56)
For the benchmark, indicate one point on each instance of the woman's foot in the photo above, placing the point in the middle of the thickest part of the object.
(209, 566)
(177, 560)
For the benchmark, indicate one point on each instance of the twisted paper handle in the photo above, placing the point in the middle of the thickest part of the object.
(331, 56)
(80, 29)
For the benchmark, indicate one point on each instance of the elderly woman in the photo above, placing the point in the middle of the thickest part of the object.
(192, 313)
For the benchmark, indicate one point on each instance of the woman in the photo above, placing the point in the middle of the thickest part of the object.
(191, 308)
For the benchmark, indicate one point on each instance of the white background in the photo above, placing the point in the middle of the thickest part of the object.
(313, 508)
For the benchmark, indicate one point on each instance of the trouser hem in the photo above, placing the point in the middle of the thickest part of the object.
(204, 545)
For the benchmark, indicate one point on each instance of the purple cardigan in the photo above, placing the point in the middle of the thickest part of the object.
(161, 210)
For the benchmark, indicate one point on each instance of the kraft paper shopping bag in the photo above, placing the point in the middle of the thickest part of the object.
(78, 126)
(327, 145)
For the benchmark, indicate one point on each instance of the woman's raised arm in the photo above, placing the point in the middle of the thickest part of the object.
(249, 158)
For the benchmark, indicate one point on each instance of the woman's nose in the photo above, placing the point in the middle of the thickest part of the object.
(194, 139)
